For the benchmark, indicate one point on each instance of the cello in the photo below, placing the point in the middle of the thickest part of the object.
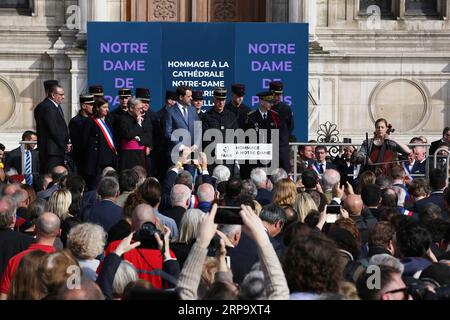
(381, 159)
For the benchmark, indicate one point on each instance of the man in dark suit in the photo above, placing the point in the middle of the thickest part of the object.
(266, 122)
(245, 255)
(438, 182)
(52, 131)
(197, 101)
(13, 158)
(321, 164)
(105, 212)
(285, 111)
(445, 138)
(76, 125)
(236, 105)
(221, 119)
(181, 116)
(259, 178)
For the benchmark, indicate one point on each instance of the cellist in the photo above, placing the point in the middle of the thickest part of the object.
(381, 151)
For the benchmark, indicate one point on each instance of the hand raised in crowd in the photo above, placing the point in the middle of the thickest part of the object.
(344, 213)
(125, 245)
(319, 187)
(222, 252)
(69, 148)
(207, 228)
(164, 244)
(140, 119)
(253, 226)
(349, 188)
(322, 218)
(203, 160)
(338, 191)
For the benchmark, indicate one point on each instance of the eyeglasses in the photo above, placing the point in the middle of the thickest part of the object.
(405, 291)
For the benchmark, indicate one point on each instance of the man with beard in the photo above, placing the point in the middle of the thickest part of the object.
(75, 130)
(181, 116)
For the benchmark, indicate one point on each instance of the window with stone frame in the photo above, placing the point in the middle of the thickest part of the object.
(386, 7)
(421, 7)
(15, 4)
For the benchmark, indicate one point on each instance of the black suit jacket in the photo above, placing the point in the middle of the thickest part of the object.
(52, 132)
(97, 155)
(434, 146)
(13, 159)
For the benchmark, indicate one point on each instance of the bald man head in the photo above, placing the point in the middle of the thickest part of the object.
(48, 225)
(205, 193)
(180, 196)
(353, 204)
(142, 213)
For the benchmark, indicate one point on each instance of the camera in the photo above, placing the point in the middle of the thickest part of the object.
(419, 290)
(146, 236)
(228, 215)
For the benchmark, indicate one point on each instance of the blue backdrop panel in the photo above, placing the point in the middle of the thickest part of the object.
(266, 52)
(199, 55)
(125, 55)
(161, 56)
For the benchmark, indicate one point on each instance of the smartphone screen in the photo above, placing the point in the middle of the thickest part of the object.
(228, 215)
(335, 209)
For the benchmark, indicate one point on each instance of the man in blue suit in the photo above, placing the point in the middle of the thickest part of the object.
(105, 212)
(182, 116)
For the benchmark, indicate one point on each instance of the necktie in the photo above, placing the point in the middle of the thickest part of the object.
(28, 169)
(265, 116)
(321, 168)
(61, 111)
(185, 114)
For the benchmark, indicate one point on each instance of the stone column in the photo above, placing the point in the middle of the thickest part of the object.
(100, 10)
(78, 74)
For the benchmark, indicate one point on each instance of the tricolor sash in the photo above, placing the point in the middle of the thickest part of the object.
(106, 133)
(316, 168)
(407, 171)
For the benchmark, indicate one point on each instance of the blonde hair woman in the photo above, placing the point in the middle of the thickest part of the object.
(188, 233)
(304, 203)
(59, 203)
(284, 195)
(86, 241)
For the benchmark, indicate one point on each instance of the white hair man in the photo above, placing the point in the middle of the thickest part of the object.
(221, 173)
(180, 199)
(259, 178)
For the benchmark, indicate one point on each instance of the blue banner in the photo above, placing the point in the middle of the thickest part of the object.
(161, 56)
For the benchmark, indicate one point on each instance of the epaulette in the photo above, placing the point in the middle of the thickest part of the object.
(251, 112)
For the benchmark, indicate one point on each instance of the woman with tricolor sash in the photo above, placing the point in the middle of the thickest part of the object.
(100, 149)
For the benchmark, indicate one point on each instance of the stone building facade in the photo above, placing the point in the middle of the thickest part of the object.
(368, 58)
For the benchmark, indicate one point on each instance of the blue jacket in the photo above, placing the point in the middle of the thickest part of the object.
(173, 119)
(105, 213)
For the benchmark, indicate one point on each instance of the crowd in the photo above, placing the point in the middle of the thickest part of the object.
(107, 217)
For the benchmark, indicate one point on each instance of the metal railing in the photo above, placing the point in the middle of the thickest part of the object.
(296, 145)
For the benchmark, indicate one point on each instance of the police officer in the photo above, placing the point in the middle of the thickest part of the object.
(75, 130)
(236, 104)
(97, 91)
(197, 101)
(276, 87)
(266, 118)
(124, 95)
(219, 118)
